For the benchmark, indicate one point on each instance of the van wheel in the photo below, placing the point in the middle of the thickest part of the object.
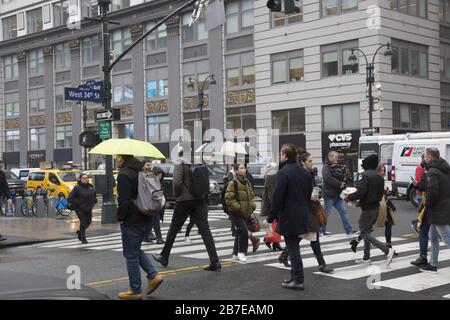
(413, 197)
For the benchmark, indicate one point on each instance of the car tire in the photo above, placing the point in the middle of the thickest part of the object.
(413, 197)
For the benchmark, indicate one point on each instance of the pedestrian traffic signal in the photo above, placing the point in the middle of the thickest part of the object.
(291, 6)
(274, 5)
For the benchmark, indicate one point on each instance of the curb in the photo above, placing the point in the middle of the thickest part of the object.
(27, 243)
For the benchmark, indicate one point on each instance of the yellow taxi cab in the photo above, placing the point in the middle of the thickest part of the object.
(61, 181)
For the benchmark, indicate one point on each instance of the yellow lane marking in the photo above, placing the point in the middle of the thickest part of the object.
(409, 235)
(162, 273)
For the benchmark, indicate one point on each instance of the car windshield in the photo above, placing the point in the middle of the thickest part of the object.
(24, 173)
(11, 176)
(69, 176)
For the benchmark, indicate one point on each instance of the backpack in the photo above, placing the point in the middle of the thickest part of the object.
(199, 180)
(150, 198)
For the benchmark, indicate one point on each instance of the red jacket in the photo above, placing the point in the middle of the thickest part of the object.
(419, 172)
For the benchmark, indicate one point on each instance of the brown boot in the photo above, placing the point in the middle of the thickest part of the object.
(129, 295)
(153, 284)
(255, 243)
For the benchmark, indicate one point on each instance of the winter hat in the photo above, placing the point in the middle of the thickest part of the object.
(157, 169)
(370, 162)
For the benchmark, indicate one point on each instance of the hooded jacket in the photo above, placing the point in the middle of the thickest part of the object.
(127, 190)
(182, 182)
(240, 202)
(438, 192)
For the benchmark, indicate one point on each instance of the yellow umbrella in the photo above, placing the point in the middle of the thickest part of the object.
(132, 147)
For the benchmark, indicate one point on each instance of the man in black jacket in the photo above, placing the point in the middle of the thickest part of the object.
(290, 206)
(4, 191)
(133, 226)
(334, 181)
(370, 190)
(437, 204)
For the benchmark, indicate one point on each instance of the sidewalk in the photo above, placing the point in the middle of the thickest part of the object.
(28, 230)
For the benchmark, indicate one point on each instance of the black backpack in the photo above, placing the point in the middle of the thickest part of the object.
(199, 180)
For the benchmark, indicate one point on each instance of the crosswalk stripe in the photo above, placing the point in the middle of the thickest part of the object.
(361, 271)
(349, 256)
(418, 282)
(447, 296)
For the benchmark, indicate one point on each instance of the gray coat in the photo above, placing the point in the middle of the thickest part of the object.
(269, 186)
(181, 182)
(331, 185)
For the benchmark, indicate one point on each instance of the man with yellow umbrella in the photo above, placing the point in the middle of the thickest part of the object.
(133, 224)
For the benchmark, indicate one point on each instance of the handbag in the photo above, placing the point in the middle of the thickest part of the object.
(271, 235)
(321, 215)
(253, 223)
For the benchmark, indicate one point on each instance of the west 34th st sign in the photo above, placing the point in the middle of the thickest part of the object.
(92, 92)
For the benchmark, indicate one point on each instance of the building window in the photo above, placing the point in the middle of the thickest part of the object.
(445, 114)
(408, 116)
(196, 31)
(158, 128)
(287, 67)
(121, 40)
(34, 20)
(64, 136)
(157, 39)
(241, 118)
(337, 7)
(123, 89)
(129, 130)
(60, 103)
(239, 16)
(413, 7)
(341, 117)
(11, 67)
(9, 27)
(199, 82)
(62, 56)
(35, 61)
(89, 8)
(12, 104)
(409, 58)
(60, 13)
(444, 62)
(335, 59)
(37, 138)
(157, 88)
(12, 139)
(289, 121)
(282, 19)
(91, 50)
(444, 11)
(36, 100)
(189, 123)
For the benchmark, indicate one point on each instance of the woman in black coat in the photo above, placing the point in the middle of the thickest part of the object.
(83, 199)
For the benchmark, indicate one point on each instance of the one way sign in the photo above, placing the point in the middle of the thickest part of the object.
(107, 115)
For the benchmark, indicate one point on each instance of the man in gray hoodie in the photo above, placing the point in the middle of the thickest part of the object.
(188, 206)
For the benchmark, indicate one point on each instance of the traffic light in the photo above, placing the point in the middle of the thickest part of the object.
(274, 5)
(291, 6)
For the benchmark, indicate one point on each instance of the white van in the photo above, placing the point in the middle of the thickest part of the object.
(23, 173)
(407, 156)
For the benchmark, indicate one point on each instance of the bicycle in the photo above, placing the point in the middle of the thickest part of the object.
(5, 208)
(61, 205)
(29, 204)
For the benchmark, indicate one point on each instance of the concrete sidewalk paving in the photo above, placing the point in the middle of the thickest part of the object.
(27, 230)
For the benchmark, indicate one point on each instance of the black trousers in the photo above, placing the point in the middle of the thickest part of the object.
(240, 235)
(189, 228)
(155, 224)
(85, 221)
(197, 210)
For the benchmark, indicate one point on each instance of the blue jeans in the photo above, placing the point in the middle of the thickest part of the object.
(435, 231)
(339, 204)
(132, 237)
(293, 247)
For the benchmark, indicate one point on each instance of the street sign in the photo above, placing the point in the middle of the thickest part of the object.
(104, 130)
(107, 115)
(83, 94)
(371, 130)
(95, 85)
(89, 139)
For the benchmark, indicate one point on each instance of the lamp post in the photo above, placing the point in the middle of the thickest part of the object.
(370, 79)
(84, 104)
(191, 85)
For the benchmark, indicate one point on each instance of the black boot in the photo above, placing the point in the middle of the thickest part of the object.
(283, 258)
(354, 243)
(276, 246)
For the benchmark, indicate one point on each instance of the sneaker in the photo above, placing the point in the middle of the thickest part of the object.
(326, 269)
(363, 261)
(390, 256)
(428, 268)
(242, 257)
(129, 295)
(153, 284)
(420, 261)
(187, 239)
(327, 233)
(160, 241)
(234, 258)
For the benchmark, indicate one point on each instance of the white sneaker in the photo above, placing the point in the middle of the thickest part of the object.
(235, 258)
(362, 261)
(390, 256)
(187, 239)
(241, 256)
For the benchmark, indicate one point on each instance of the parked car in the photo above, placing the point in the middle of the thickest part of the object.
(216, 173)
(15, 184)
(23, 173)
(61, 181)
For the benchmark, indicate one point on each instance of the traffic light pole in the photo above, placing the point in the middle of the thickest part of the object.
(109, 207)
